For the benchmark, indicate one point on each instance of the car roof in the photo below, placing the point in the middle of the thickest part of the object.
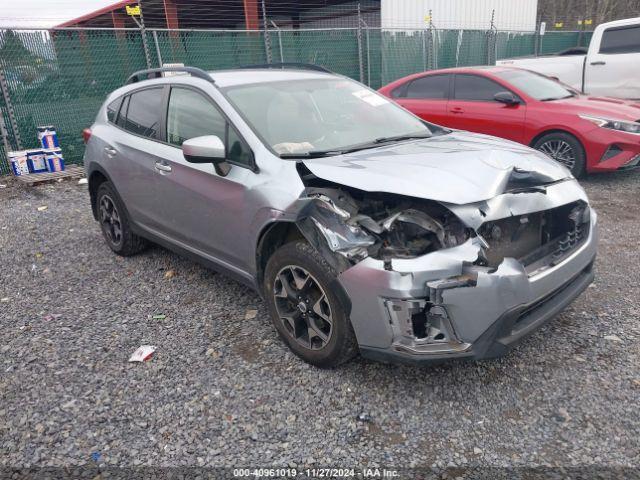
(228, 78)
(477, 69)
(242, 76)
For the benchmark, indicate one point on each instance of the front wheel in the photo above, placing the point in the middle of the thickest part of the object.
(304, 308)
(564, 148)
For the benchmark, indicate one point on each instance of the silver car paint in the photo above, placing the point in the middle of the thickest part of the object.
(458, 168)
(220, 219)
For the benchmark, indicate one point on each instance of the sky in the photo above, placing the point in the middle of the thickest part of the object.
(45, 13)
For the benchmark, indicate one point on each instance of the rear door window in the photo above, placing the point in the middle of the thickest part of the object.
(429, 87)
(144, 112)
(476, 88)
(621, 40)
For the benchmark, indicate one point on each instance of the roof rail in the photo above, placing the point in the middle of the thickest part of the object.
(299, 66)
(157, 72)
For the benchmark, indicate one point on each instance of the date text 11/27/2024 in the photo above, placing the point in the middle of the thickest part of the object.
(315, 472)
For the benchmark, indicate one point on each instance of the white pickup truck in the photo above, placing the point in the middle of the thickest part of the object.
(610, 67)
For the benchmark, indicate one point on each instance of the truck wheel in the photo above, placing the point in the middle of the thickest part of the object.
(565, 149)
(307, 313)
(115, 224)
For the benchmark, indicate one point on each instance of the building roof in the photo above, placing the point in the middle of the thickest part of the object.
(97, 13)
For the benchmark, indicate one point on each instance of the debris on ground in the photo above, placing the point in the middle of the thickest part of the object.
(143, 353)
(363, 417)
(4, 299)
(212, 353)
(42, 208)
(613, 338)
(159, 316)
(250, 314)
(53, 316)
(169, 274)
(83, 181)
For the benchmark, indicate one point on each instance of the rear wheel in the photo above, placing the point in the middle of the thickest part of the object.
(306, 312)
(564, 148)
(114, 223)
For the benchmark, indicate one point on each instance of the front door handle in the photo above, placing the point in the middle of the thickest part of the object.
(163, 168)
(110, 151)
(456, 110)
(599, 62)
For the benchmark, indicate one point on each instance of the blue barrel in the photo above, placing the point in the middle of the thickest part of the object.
(48, 136)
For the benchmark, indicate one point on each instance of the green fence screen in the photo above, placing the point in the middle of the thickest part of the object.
(61, 77)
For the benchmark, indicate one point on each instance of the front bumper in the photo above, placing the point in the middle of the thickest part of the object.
(609, 150)
(483, 320)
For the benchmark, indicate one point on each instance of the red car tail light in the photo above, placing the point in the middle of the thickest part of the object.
(86, 135)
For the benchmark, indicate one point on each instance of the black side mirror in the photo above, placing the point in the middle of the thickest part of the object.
(507, 98)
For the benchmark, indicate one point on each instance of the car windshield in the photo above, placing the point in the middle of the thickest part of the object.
(537, 86)
(322, 116)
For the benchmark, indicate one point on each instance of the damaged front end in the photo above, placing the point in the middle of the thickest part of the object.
(430, 280)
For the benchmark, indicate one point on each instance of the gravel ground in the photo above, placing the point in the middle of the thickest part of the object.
(222, 390)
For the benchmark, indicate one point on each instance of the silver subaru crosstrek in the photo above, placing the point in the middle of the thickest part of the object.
(364, 228)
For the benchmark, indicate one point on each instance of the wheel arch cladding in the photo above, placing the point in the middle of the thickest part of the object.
(96, 178)
(272, 237)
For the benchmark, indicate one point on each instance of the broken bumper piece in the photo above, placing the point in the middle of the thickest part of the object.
(441, 306)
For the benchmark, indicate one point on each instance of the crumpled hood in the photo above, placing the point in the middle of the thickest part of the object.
(458, 168)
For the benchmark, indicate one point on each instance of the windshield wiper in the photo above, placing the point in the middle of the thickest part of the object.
(341, 151)
(557, 98)
(313, 154)
(400, 138)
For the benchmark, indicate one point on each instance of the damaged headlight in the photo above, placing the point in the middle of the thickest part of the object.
(341, 237)
(383, 227)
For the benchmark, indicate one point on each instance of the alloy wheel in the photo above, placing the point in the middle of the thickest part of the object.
(303, 307)
(560, 151)
(110, 220)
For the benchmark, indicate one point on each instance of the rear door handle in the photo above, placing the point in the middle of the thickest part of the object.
(111, 152)
(163, 168)
(599, 62)
(456, 110)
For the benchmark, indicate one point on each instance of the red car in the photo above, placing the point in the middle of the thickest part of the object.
(585, 133)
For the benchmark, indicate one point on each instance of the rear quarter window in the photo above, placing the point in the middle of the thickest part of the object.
(621, 40)
(112, 110)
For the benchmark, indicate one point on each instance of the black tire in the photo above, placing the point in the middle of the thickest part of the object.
(116, 229)
(340, 345)
(569, 151)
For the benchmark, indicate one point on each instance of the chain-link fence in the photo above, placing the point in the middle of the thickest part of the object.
(60, 77)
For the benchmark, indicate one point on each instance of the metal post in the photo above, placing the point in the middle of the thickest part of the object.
(279, 40)
(5, 137)
(12, 116)
(368, 53)
(432, 58)
(491, 40)
(155, 41)
(424, 49)
(267, 39)
(359, 38)
(143, 32)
